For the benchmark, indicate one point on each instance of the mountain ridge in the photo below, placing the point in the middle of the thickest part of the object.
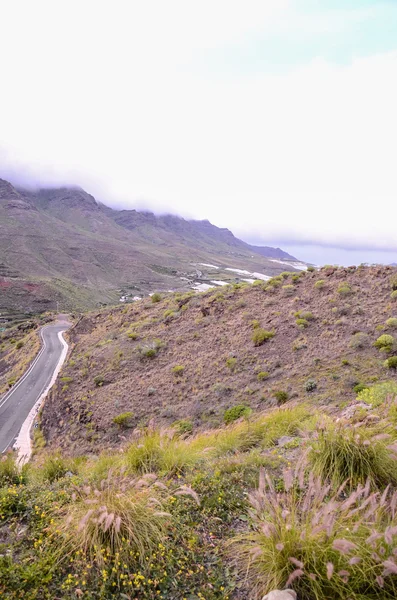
(81, 252)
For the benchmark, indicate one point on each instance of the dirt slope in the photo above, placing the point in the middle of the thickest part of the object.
(108, 373)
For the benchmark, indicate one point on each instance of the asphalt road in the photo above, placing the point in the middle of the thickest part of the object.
(16, 404)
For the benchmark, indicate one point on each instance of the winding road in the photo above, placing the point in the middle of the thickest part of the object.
(17, 404)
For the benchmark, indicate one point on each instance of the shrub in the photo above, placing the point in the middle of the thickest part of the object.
(178, 370)
(285, 274)
(385, 343)
(132, 335)
(123, 420)
(359, 340)
(359, 388)
(119, 520)
(378, 393)
(281, 396)
(302, 323)
(54, 468)
(99, 380)
(150, 349)
(236, 412)
(9, 472)
(392, 323)
(345, 289)
(342, 454)
(393, 295)
(319, 284)
(231, 363)
(19, 345)
(306, 314)
(161, 452)
(391, 363)
(155, 298)
(255, 324)
(310, 385)
(262, 375)
(317, 542)
(275, 281)
(260, 336)
(393, 282)
(183, 426)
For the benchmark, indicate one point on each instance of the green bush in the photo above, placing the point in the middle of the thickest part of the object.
(378, 393)
(385, 343)
(9, 472)
(231, 363)
(183, 426)
(393, 282)
(281, 396)
(123, 420)
(343, 454)
(19, 345)
(236, 412)
(345, 289)
(178, 370)
(359, 388)
(150, 349)
(155, 298)
(260, 336)
(391, 363)
(319, 284)
(310, 385)
(393, 295)
(306, 314)
(99, 380)
(302, 323)
(392, 323)
(132, 335)
(54, 468)
(255, 324)
(263, 375)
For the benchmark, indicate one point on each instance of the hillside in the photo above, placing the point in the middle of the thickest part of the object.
(59, 247)
(204, 360)
(217, 447)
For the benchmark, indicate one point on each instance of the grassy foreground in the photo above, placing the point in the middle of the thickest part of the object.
(287, 498)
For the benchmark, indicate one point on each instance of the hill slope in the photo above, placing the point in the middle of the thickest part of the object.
(79, 253)
(192, 356)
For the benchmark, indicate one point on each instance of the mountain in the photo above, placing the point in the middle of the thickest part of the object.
(61, 248)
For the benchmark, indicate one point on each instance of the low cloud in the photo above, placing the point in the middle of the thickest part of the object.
(125, 104)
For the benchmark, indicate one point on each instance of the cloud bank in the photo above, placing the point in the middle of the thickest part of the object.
(130, 101)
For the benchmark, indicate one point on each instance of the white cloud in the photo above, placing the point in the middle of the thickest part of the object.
(104, 95)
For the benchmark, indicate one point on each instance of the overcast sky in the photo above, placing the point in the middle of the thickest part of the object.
(275, 118)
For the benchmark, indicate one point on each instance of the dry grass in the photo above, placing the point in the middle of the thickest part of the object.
(326, 545)
(119, 516)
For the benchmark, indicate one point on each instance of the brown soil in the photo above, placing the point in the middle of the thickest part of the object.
(200, 335)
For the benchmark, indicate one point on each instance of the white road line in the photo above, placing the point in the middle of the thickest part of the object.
(23, 442)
